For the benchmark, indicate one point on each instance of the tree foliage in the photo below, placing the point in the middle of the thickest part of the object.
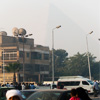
(78, 65)
(13, 67)
(60, 57)
(75, 65)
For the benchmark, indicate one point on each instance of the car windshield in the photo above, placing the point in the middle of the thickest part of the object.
(26, 94)
(91, 82)
(45, 95)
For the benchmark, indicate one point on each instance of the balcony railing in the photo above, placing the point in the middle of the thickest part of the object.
(8, 58)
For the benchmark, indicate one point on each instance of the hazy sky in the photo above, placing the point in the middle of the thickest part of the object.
(39, 17)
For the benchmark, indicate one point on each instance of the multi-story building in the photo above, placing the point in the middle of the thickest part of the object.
(34, 57)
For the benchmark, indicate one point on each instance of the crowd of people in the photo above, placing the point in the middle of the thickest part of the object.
(76, 94)
(20, 86)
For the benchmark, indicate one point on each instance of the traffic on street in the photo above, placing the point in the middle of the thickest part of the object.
(67, 88)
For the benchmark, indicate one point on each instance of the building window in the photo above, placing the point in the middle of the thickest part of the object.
(37, 68)
(46, 56)
(11, 55)
(42, 68)
(27, 55)
(39, 56)
(28, 67)
(36, 55)
(46, 68)
(21, 54)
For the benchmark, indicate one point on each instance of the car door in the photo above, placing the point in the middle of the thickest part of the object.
(85, 85)
(65, 96)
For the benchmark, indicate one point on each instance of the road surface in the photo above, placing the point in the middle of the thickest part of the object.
(95, 98)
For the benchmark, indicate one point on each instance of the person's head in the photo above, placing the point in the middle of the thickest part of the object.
(94, 80)
(23, 83)
(14, 98)
(73, 92)
(82, 93)
(11, 83)
(13, 95)
(26, 83)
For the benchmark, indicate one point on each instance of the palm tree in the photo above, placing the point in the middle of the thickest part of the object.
(13, 67)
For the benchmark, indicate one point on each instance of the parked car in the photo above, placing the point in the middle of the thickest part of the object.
(27, 92)
(51, 94)
(3, 91)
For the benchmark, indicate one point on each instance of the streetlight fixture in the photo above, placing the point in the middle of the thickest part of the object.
(22, 32)
(53, 52)
(88, 54)
(3, 67)
(23, 37)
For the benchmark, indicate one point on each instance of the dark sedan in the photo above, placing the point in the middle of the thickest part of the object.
(51, 94)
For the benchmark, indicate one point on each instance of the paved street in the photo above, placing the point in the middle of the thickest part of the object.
(95, 98)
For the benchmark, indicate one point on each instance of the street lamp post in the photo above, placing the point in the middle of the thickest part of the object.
(23, 37)
(22, 33)
(88, 54)
(23, 60)
(53, 52)
(3, 68)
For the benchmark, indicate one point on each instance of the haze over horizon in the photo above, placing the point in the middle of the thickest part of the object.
(77, 18)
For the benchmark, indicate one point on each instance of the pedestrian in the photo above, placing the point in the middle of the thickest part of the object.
(23, 86)
(26, 86)
(74, 95)
(82, 94)
(95, 88)
(7, 85)
(32, 86)
(13, 95)
(16, 85)
(62, 86)
(11, 85)
(19, 86)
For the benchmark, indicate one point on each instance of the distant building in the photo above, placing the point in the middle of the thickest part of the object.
(36, 57)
